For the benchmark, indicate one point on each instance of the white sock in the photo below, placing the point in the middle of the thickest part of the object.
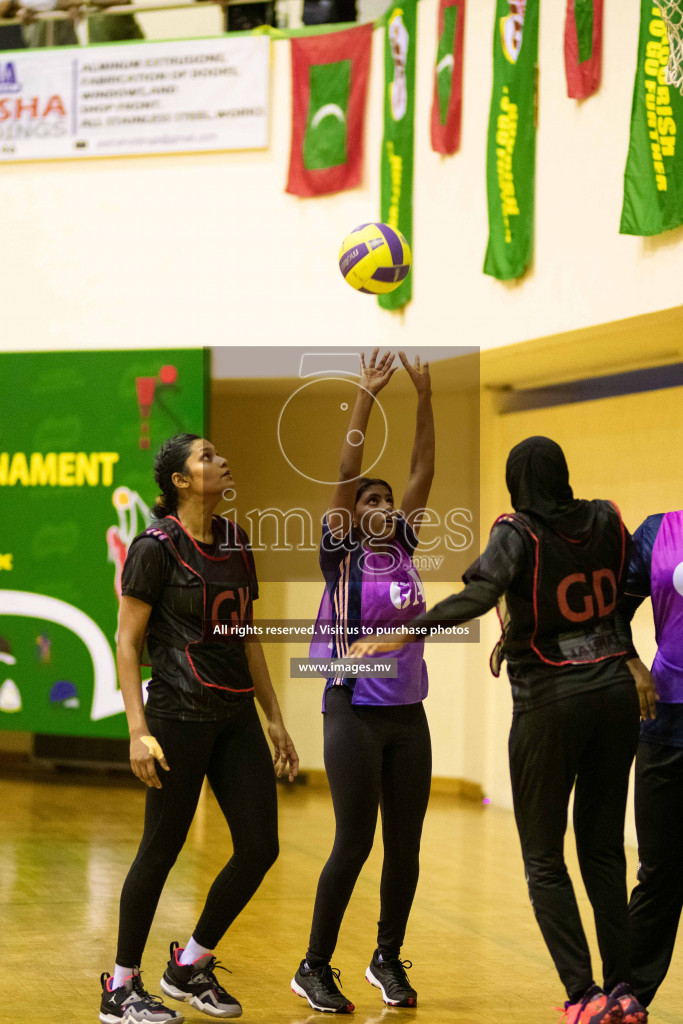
(192, 952)
(120, 975)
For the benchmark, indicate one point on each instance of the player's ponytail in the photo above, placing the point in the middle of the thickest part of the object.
(160, 508)
(171, 458)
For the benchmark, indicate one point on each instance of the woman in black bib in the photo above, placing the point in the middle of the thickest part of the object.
(188, 579)
(555, 569)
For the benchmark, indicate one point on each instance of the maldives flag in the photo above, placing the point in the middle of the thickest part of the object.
(583, 47)
(447, 101)
(329, 86)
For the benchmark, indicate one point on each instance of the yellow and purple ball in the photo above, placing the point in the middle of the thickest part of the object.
(374, 258)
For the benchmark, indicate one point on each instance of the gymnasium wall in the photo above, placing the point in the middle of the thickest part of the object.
(623, 448)
(174, 250)
(209, 250)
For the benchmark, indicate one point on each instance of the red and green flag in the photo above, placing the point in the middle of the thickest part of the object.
(447, 101)
(583, 47)
(653, 180)
(329, 88)
(511, 153)
(400, 40)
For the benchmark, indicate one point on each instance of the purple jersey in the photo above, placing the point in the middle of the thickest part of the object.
(666, 576)
(373, 590)
(396, 597)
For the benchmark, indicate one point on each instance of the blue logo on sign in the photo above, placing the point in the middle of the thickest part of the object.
(8, 78)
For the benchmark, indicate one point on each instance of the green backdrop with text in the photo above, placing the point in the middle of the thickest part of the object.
(65, 523)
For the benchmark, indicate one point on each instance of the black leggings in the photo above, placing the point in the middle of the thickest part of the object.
(374, 757)
(587, 742)
(235, 757)
(657, 901)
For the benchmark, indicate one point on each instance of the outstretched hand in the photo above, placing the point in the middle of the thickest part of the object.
(376, 375)
(419, 374)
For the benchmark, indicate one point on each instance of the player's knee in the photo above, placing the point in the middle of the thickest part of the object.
(546, 868)
(353, 850)
(260, 856)
(270, 854)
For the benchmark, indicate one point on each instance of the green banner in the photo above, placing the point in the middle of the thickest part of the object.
(78, 433)
(325, 138)
(511, 154)
(400, 42)
(653, 180)
(583, 19)
(444, 66)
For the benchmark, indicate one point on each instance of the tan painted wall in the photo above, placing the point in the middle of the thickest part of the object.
(176, 250)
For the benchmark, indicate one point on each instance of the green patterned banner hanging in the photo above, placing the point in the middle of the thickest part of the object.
(511, 155)
(399, 129)
(653, 181)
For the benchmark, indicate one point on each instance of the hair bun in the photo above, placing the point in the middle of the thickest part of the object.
(159, 509)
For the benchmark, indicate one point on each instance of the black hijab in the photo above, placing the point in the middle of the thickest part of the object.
(538, 480)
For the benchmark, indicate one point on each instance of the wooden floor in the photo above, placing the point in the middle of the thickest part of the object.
(66, 843)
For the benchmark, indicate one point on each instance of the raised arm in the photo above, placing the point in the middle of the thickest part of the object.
(422, 457)
(375, 376)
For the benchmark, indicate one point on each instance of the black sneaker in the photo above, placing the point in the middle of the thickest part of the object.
(197, 983)
(131, 1004)
(390, 976)
(319, 986)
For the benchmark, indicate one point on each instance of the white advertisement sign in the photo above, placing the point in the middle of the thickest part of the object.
(181, 96)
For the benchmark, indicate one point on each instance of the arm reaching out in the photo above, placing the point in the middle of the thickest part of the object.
(487, 579)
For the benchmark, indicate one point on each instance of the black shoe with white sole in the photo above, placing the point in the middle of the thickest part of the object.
(390, 976)
(319, 986)
(198, 985)
(132, 1004)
